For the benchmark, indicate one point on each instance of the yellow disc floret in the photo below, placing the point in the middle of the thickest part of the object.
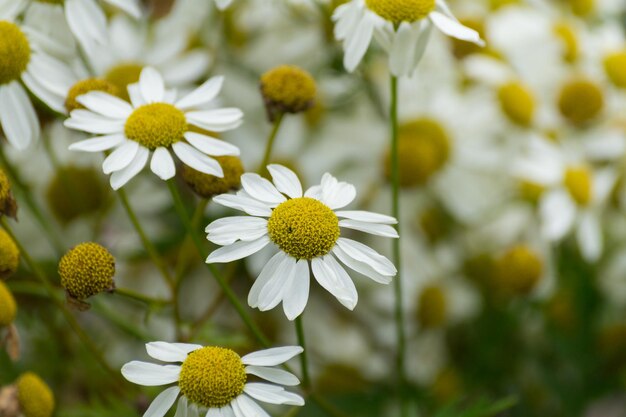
(398, 11)
(424, 148)
(155, 125)
(8, 306)
(212, 377)
(9, 255)
(86, 270)
(34, 395)
(8, 206)
(122, 75)
(432, 307)
(304, 228)
(287, 89)
(579, 184)
(517, 103)
(14, 52)
(207, 186)
(615, 68)
(85, 86)
(518, 270)
(568, 38)
(580, 101)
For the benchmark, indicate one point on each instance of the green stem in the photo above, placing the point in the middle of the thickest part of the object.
(41, 276)
(304, 363)
(395, 203)
(34, 208)
(184, 216)
(133, 295)
(270, 142)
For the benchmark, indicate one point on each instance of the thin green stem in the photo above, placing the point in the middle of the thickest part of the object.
(198, 243)
(304, 362)
(133, 295)
(41, 276)
(33, 207)
(270, 141)
(395, 204)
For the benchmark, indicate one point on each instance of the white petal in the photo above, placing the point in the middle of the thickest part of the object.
(336, 194)
(17, 116)
(163, 402)
(330, 275)
(249, 407)
(277, 376)
(297, 295)
(197, 160)
(136, 98)
(271, 394)
(366, 216)
(367, 255)
(267, 274)
(223, 4)
(121, 157)
(244, 203)
(557, 213)
(227, 411)
(201, 95)
(228, 230)
(589, 237)
(213, 412)
(272, 293)
(211, 146)
(371, 228)
(151, 85)
(361, 267)
(455, 29)
(120, 178)
(93, 123)
(400, 57)
(271, 357)
(52, 99)
(87, 22)
(261, 189)
(150, 374)
(219, 120)
(105, 104)
(285, 180)
(182, 408)
(170, 352)
(357, 43)
(162, 164)
(237, 250)
(193, 411)
(98, 144)
(129, 6)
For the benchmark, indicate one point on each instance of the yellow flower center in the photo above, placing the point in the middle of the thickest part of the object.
(8, 206)
(14, 52)
(85, 86)
(498, 4)
(531, 191)
(615, 67)
(86, 270)
(432, 307)
(398, 11)
(122, 75)
(568, 37)
(8, 306)
(424, 148)
(580, 101)
(212, 377)
(581, 7)
(517, 103)
(34, 395)
(207, 186)
(51, 1)
(9, 255)
(304, 228)
(579, 183)
(288, 89)
(435, 223)
(518, 270)
(155, 125)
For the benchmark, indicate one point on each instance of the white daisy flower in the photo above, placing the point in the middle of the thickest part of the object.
(24, 59)
(214, 379)
(402, 27)
(156, 122)
(306, 230)
(223, 4)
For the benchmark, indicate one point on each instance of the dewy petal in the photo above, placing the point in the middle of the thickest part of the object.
(272, 356)
(361, 267)
(285, 180)
(120, 178)
(218, 120)
(228, 230)
(98, 144)
(151, 85)
(267, 274)
(150, 374)
(272, 293)
(558, 213)
(201, 95)
(383, 230)
(197, 160)
(244, 203)
(366, 216)
(589, 236)
(163, 402)
(367, 255)
(261, 189)
(237, 250)
(162, 164)
(211, 146)
(277, 376)
(297, 295)
(249, 407)
(335, 280)
(121, 157)
(17, 116)
(170, 352)
(455, 29)
(105, 104)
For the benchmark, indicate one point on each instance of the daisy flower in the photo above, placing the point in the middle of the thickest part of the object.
(214, 379)
(402, 27)
(306, 230)
(24, 59)
(156, 122)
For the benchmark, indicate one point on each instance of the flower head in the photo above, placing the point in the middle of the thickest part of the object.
(87, 270)
(214, 379)
(207, 186)
(8, 205)
(34, 396)
(156, 122)
(306, 230)
(9, 255)
(287, 89)
(8, 307)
